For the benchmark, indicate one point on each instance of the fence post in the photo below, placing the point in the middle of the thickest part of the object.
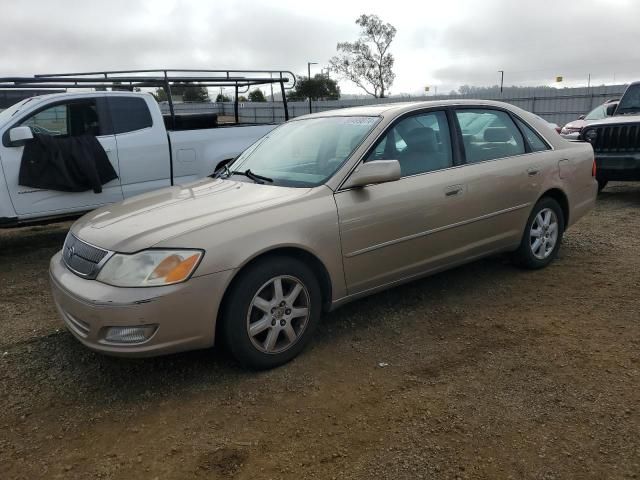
(533, 104)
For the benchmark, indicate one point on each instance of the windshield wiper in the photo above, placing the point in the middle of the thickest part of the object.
(253, 176)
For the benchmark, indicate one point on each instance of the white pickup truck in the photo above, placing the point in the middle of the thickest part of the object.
(131, 129)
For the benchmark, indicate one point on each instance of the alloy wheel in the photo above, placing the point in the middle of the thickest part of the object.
(543, 234)
(278, 314)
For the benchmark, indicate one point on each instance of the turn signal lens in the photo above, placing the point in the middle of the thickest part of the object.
(175, 270)
(593, 169)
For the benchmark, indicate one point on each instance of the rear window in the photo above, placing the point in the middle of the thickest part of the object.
(129, 114)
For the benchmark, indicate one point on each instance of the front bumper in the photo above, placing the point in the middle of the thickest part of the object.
(185, 313)
(618, 166)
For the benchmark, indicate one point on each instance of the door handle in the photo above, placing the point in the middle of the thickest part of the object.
(533, 171)
(453, 190)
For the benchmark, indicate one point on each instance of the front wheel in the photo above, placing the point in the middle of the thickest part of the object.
(542, 236)
(271, 312)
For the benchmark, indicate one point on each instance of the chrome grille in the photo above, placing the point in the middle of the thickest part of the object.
(82, 258)
(617, 138)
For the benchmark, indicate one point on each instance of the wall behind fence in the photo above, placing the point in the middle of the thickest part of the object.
(555, 105)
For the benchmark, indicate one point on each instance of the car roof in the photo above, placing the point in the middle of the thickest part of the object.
(395, 109)
(62, 95)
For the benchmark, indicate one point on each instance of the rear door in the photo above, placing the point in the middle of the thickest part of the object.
(505, 161)
(143, 147)
(63, 118)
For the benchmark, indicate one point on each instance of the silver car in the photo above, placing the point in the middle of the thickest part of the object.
(324, 209)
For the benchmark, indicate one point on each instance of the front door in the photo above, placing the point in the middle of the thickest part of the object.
(396, 230)
(68, 118)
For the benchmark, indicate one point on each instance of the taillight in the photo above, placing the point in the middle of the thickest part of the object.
(593, 169)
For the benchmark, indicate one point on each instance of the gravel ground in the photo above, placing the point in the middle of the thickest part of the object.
(482, 372)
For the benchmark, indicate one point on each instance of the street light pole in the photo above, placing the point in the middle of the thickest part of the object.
(309, 77)
(501, 72)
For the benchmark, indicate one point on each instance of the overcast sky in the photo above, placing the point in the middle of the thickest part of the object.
(445, 43)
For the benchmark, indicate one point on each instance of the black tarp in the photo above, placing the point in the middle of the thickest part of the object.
(69, 164)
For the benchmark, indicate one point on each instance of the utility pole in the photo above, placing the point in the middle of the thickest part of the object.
(501, 72)
(309, 77)
(589, 81)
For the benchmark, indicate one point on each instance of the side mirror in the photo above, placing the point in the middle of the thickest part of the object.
(376, 171)
(581, 117)
(19, 135)
(611, 109)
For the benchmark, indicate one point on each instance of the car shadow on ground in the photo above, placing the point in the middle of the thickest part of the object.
(61, 370)
(621, 192)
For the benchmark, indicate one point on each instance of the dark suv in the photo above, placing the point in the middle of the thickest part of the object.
(616, 140)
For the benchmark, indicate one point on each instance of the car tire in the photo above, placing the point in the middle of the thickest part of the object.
(542, 236)
(264, 323)
(601, 184)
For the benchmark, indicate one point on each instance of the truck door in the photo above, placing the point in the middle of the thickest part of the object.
(63, 118)
(143, 147)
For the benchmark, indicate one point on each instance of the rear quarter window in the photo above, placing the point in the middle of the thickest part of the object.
(535, 142)
(129, 114)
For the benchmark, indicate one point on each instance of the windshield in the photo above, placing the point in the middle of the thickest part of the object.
(630, 101)
(597, 113)
(304, 153)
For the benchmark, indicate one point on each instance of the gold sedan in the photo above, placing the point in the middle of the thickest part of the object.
(324, 209)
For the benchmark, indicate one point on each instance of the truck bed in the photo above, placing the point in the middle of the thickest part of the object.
(191, 121)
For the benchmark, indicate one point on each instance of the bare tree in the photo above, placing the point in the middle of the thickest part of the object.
(367, 62)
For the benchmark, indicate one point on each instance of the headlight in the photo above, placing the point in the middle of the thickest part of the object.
(591, 135)
(150, 268)
(568, 129)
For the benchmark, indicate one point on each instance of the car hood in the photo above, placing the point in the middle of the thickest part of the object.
(143, 221)
(617, 119)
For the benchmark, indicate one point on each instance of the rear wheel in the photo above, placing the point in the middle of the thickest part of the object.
(542, 236)
(271, 312)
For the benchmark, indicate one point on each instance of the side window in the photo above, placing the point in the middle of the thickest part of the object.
(52, 121)
(535, 142)
(489, 134)
(421, 143)
(129, 114)
(70, 119)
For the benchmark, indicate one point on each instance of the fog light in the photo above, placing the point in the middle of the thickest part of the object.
(129, 335)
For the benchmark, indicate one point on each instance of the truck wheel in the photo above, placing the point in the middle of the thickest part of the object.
(601, 184)
(271, 312)
(542, 236)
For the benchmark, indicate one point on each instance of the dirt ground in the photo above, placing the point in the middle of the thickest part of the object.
(482, 372)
